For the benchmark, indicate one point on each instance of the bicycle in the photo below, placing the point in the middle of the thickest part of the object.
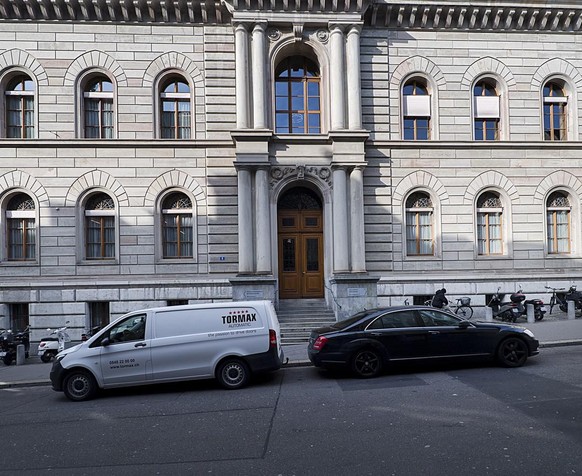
(557, 299)
(462, 309)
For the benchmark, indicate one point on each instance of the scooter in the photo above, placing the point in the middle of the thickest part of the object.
(9, 342)
(52, 344)
(507, 311)
(573, 295)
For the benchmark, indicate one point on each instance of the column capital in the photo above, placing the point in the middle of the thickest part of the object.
(261, 25)
(336, 27)
(354, 28)
(241, 26)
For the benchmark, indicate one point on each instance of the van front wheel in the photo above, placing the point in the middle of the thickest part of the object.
(233, 374)
(79, 385)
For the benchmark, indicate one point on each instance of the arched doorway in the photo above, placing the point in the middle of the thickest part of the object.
(300, 244)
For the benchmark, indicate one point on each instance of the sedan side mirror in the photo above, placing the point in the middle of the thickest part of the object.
(464, 324)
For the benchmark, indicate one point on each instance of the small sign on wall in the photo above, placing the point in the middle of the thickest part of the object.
(254, 294)
(357, 292)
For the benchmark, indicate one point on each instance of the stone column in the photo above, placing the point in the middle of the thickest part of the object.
(263, 221)
(245, 222)
(241, 41)
(337, 78)
(353, 78)
(341, 233)
(259, 76)
(357, 242)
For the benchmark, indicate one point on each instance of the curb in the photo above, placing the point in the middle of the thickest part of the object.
(24, 383)
(560, 343)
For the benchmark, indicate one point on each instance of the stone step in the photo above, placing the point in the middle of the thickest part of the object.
(298, 317)
(309, 317)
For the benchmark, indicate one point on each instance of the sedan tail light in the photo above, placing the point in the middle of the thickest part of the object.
(319, 343)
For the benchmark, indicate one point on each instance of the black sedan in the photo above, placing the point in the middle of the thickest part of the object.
(369, 340)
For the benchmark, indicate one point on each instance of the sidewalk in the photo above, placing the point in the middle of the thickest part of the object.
(557, 331)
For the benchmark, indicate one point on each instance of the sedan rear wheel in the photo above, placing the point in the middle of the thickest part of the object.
(366, 363)
(512, 352)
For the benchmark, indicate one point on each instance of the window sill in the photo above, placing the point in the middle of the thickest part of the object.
(98, 262)
(176, 261)
(7, 263)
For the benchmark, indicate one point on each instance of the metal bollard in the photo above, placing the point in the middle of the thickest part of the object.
(530, 313)
(488, 314)
(20, 354)
(571, 309)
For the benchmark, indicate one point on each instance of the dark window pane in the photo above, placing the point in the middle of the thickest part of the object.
(312, 254)
(289, 254)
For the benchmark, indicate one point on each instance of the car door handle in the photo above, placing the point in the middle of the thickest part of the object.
(376, 334)
(140, 344)
(433, 333)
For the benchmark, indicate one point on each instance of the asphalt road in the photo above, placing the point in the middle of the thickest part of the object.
(442, 421)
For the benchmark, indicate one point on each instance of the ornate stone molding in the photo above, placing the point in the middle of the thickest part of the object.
(407, 14)
(300, 171)
(486, 16)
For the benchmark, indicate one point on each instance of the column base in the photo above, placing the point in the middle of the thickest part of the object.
(253, 287)
(353, 293)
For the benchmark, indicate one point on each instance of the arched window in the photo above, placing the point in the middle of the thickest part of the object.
(177, 226)
(489, 224)
(20, 108)
(419, 225)
(297, 97)
(21, 228)
(416, 110)
(100, 227)
(98, 110)
(555, 111)
(558, 212)
(486, 110)
(175, 105)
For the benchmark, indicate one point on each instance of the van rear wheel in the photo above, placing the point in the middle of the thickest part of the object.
(233, 374)
(79, 385)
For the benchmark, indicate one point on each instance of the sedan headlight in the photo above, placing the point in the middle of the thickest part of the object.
(529, 333)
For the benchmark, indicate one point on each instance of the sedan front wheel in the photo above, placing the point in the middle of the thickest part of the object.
(512, 352)
(366, 363)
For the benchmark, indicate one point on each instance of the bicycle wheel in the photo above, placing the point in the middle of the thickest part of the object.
(552, 303)
(464, 312)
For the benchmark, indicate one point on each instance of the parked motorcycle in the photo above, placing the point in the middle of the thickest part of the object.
(52, 344)
(517, 307)
(507, 311)
(9, 341)
(573, 295)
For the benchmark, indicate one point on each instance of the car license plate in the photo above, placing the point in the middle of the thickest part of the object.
(2, 354)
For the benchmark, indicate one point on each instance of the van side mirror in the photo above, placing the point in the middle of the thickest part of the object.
(105, 342)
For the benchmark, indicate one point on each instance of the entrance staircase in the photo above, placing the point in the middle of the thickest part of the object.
(298, 317)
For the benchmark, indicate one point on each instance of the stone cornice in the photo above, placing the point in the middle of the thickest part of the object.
(120, 11)
(534, 15)
(516, 15)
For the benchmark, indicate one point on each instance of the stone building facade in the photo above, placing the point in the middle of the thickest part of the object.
(364, 153)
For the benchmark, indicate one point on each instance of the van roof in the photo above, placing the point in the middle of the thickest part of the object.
(256, 303)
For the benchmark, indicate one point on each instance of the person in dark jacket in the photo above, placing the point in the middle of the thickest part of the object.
(439, 300)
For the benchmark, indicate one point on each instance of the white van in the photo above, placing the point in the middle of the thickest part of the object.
(228, 341)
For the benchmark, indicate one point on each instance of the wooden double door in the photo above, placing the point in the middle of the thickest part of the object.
(300, 243)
